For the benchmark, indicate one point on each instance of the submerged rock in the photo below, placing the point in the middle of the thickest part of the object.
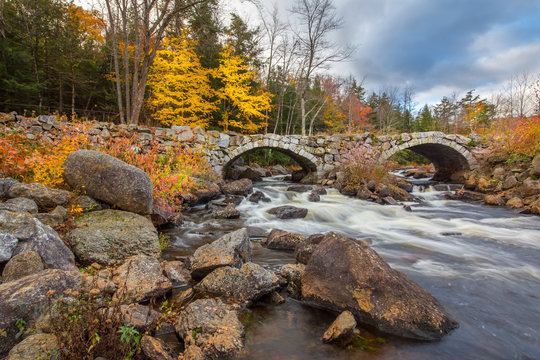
(288, 212)
(282, 240)
(109, 179)
(109, 236)
(248, 283)
(211, 330)
(346, 274)
(258, 196)
(232, 249)
(340, 328)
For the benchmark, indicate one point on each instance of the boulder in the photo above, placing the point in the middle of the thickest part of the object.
(343, 326)
(227, 212)
(21, 265)
(36, 346)
(239, 187)
(530, 187)
(50, 247)
(176, 272)
(8, 243)
(535, 166)
(258, 196)
(28, 297)
(156, 349)
(211, 330)
(346, 274)
(19, 224)
(484, 185)
(5, 185)
(20, 205)
(56, 217)
(304, 250)
(248, 283)
(232, 249)
(140, 279)
(45, 197)
(111, 180)
(288, 212)
(319, 190)
(111, 236)
(282, 240)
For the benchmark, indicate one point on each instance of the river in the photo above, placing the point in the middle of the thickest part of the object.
(482, 264)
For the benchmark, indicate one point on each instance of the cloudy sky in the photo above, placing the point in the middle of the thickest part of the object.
(435, 46)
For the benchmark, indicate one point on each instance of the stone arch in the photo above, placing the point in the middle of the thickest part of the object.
(448, 157)
(299, 153)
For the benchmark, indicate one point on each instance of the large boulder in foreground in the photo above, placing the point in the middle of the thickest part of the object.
(231, 249)
(109, 179)
(29, 297)
(111, 236)
(211, 330)
(250, 282)
(346, 274)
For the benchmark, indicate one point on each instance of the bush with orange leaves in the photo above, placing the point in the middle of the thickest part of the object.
(519, 137)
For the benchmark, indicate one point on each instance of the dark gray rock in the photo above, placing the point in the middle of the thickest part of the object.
(248, 283)
(232, 249)
(110, 236)
(209, 192)
(86, 203)
(19, 224)
(20, 205)
(250, 174)
(299, 188)
(176, 272)
(288, 212)
(45, 197)
(258, 196)
(346, 274)
(314, 197)
(111, 180)
(54, 218)
(5, 185)
(304, 250)
(46, 242)
(319, 190)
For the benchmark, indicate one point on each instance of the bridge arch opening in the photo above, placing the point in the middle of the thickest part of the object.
(450, 161)
(305, 160)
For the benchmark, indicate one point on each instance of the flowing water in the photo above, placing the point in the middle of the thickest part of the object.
(481, 263)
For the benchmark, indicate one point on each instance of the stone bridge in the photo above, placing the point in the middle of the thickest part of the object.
(319, 154)
(450, 153)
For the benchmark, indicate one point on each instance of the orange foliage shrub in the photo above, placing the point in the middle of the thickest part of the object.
(519, 136)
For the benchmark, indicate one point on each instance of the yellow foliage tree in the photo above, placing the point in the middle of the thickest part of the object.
(180, 86)
(241, 104)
